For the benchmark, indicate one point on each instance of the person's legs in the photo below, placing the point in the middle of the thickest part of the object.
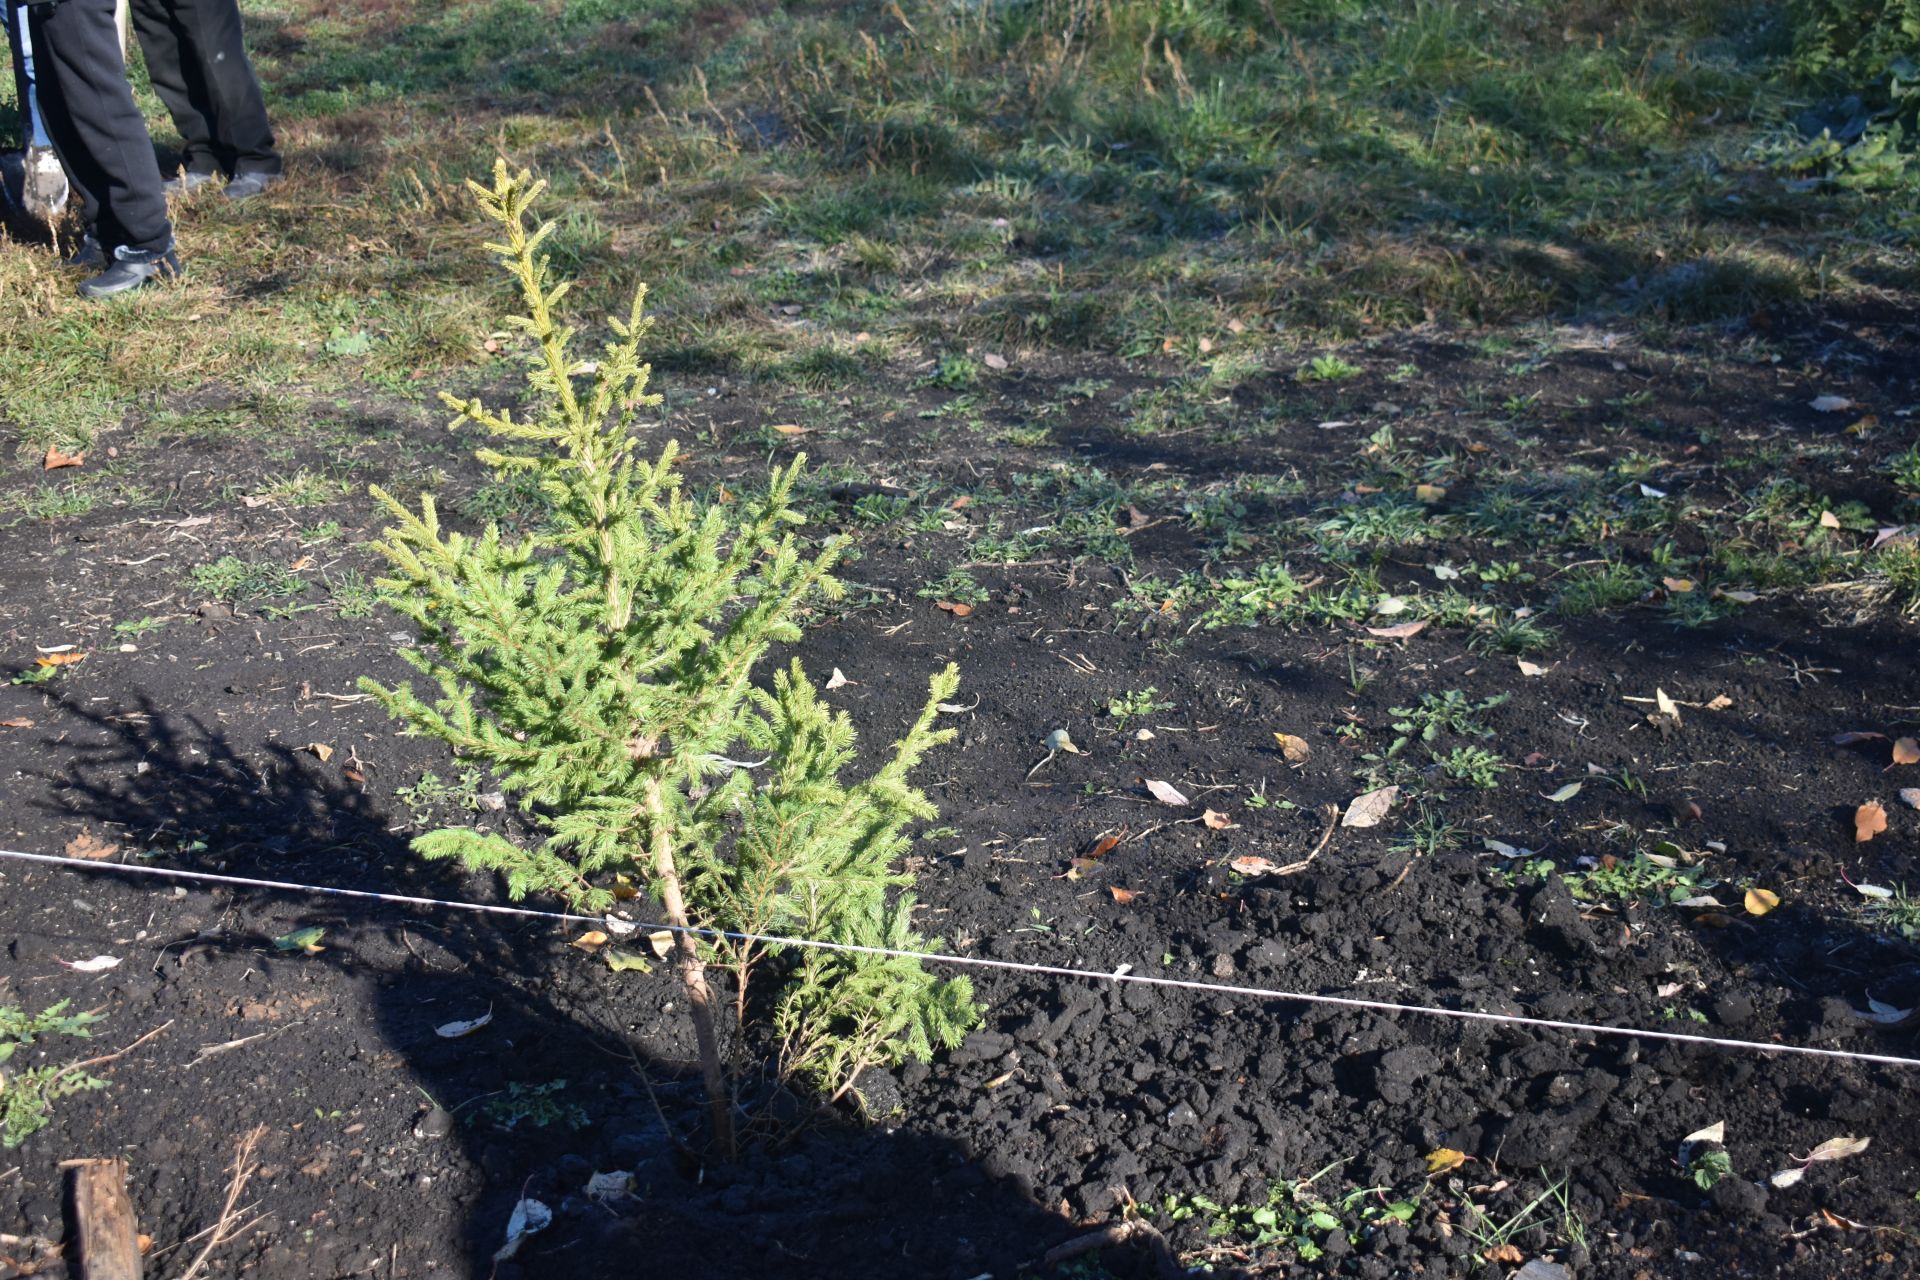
(176, 78)
(102, 139)
(33, 125)
(206, 48)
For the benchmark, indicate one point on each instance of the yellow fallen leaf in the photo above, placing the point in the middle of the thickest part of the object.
(88, 845)
(1828, 520)
(1294, 748)
(1761, 901)
(1869, 820)
(1679, 586)
(1429, 492)
(661, 940)
(57, 458)
(622, 961)
(1906, 751)
(590, 940)
(1445, 1160)
(320, 750)
(59, 659)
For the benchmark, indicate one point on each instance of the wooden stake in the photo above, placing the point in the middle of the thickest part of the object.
(103, 1225)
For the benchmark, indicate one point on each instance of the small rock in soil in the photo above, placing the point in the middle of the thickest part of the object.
(1738, 1198)
(437, 1123)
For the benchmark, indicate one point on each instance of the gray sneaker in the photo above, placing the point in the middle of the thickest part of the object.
(245, 186)
(186, 182)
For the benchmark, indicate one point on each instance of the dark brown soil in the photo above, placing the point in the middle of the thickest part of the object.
(188, 745)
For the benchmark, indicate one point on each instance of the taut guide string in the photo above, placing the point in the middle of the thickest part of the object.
(618, 925)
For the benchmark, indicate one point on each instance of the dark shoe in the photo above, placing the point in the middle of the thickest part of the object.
(89, 255)
(245, 186)
(132, 268)
(186, 182)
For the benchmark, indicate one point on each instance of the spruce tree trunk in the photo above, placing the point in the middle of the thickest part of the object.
(693, 972)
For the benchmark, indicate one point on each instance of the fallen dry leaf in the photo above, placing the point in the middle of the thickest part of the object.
(993, 361)
(1678, 586)
(792, 429)
(1906, 751)
(1761, 901)
(16, 722)
(1504, 1253)
(1368, 810)
(1849, 738)
(661, 940)
(1869, 820)
(1253, 865)
(59, 659)
(1119, 895)
(1293, 747)
(88, 845)
(455, 1030)
(1103, 846)
(1531, 668)
(1828, 520)
(1164, 792)
(1429, 492)
(837, 679)
(589, 940)
(320, 750)
(1399, 630)
(58, 457)
(1214, 820)
(955, 608)
(1445, 1160)
(1911, 797)
(1720, 702)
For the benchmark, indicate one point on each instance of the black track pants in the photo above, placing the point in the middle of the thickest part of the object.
(197, 61)
(97, 130)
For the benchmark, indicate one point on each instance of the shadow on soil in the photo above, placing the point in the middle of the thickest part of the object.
(557, 1087)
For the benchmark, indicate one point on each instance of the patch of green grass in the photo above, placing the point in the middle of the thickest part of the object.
(352, 595)
(238, 581)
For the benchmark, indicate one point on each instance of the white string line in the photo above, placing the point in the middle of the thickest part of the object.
(620, 925)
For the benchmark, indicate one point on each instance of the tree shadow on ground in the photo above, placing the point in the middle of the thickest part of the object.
(578, 1071)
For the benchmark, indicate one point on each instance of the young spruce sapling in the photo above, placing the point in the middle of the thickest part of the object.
(601, 668)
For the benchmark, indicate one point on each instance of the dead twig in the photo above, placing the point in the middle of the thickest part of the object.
(1326, 837)
(105, 1058)
(1114, 1235)
(224, 1230)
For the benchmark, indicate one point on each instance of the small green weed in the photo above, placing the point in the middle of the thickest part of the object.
(1476, 766)
(1639, 878)
(535, 1105)
(1449, 712)
(958, 586)
(27, 1096)
(1293, 1216)
(1327, 369)
(431, 795)
(1136, 705)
